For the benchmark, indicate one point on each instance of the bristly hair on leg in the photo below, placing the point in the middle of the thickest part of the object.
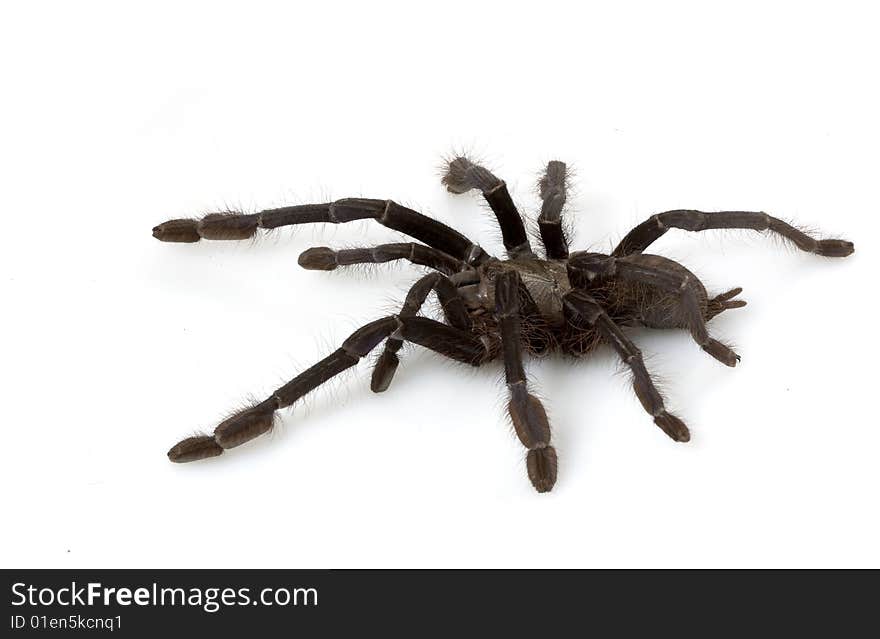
(255, 419)
(463, 175)
(569, 211)
(835, 248)
(554, 230)
(455, 171)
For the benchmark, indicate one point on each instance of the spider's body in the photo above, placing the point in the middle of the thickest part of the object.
(547, 283)
(562, 302)
(545, 280)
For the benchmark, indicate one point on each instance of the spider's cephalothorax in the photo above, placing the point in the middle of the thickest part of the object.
(563, 302)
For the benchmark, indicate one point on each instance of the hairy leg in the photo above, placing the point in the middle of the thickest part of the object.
(237, 226)
(453, 309)
(257, 420)
(643, 235)
(322, 258)
(552, 189)
(462, 176)
(526, 411)
(581, 309)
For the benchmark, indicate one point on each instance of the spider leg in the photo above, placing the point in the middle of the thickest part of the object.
(257, 420)
(724, 302)
(643, 235)
(462, 175)
(321, 258)
(239, 226)
(552, 189)
(634, 270)
(526, 411)
(453, 308)
(581, 308)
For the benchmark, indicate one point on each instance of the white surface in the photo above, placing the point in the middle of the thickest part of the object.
(115, 346)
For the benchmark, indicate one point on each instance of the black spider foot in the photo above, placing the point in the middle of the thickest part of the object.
(319, 258)
(834, 248)
(177, 231)
(721, 352)
(194, 449)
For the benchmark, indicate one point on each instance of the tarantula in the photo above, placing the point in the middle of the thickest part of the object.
(562, 302)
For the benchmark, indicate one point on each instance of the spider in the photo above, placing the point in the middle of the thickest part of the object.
(562, 302)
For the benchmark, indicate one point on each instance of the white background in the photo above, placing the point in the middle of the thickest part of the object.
(115, 346)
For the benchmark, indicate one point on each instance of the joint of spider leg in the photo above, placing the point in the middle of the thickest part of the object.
(524, 250)
(383, 219)
(501, 184)
(331, 213)
(376, 256)
(475, 252)
(397, 333)
(368, 336)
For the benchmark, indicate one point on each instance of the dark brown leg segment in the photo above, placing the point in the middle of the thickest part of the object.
(582, 309)
(552, 188)
(643, 235)
(526, 411)
(322, 258)
(462, 176)
(453, 308)
(257, 420)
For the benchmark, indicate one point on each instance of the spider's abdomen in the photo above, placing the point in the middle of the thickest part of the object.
(649, 305)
